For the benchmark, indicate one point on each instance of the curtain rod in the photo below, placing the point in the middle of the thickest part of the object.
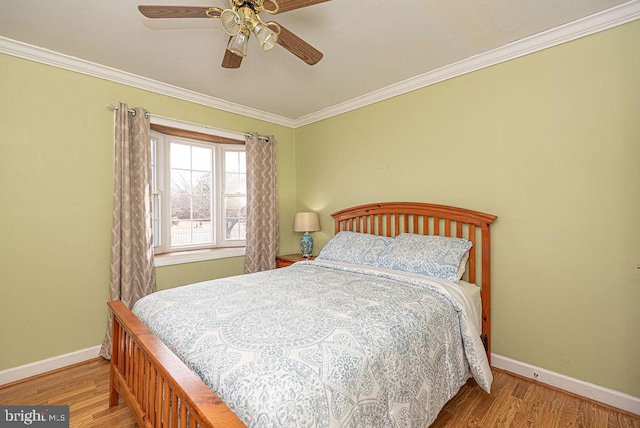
(148, 115)
(131, 111)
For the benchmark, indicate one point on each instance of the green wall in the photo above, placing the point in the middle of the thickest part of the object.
(550, 143)
(56, 182)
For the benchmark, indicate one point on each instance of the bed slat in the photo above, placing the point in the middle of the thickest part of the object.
(142, 367)
(472, 254)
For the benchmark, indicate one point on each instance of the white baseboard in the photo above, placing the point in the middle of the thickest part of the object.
(594, 392)
(39, 367)
(591, 391)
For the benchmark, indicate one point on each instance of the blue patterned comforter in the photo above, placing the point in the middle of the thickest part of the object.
(323, 344)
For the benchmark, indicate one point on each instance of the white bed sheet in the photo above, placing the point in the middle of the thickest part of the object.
(474, 294)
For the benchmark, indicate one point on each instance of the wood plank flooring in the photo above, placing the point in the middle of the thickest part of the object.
(513, 402)
(83, 387)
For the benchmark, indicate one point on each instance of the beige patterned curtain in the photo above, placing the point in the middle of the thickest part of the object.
(132, 270)
(262, 204)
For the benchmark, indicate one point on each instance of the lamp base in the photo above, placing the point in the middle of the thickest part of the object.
(306, 245)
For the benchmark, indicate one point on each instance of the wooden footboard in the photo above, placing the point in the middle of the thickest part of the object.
(156, 385)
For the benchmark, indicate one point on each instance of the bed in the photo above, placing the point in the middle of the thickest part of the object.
(362, 336)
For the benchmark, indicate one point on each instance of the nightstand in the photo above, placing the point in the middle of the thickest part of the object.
(289, 259)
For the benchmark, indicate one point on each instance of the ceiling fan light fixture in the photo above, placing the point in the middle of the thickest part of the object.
(231, 21)
(266, 37)
(240, 19)
(238, 44)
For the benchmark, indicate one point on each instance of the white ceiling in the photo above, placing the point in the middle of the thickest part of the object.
(367, 45)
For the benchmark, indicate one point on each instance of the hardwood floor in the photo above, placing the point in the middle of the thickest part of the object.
(513, 402)
(83, 387)
(517, 402)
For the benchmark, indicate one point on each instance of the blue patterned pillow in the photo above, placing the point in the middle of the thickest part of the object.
(355, 248)
(438, 256)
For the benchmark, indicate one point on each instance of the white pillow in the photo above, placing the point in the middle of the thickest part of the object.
(355, 248)
(431, 255)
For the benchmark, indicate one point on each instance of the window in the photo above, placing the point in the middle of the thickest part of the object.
(199, 194)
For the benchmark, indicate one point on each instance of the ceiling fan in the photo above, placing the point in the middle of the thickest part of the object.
(241, 19)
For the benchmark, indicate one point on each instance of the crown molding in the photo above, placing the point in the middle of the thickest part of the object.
(56, 59)
(601, 21)
(595, 23)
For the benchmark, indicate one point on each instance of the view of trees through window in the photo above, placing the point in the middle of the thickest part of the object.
(235, 199)
(191, 196)
(192, 204)
(199, 194)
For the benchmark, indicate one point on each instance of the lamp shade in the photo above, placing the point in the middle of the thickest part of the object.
(306, 222)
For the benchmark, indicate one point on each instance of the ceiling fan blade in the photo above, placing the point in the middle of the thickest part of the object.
(296, 45)
(231, 60)
(287, 5)
(180, 11)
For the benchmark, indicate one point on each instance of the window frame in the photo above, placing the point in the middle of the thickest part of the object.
(220, 141)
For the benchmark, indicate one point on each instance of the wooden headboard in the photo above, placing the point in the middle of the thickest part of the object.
(394, 218)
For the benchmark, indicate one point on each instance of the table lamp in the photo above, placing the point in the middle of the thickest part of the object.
(306, 222)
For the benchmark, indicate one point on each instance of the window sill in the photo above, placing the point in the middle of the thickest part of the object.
(192, 256)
